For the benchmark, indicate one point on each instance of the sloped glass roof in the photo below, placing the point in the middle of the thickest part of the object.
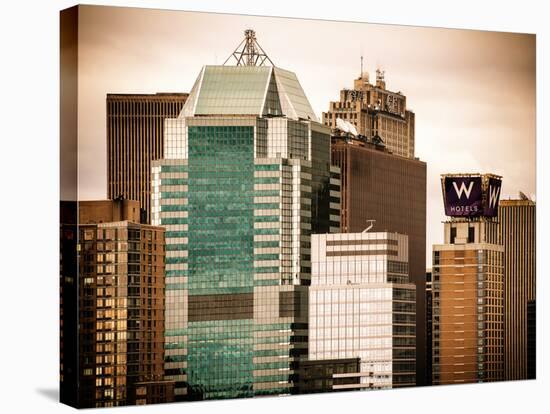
(232, 90)
(189, 106)
(272, 104)
(293, 99)
(247, 90)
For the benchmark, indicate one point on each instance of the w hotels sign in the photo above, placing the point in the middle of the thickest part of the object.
(471, 195)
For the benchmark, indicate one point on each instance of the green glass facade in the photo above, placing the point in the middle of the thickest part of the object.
(221, 209)
(221, 257)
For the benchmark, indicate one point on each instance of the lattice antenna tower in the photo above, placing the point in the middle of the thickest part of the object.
(249, 52)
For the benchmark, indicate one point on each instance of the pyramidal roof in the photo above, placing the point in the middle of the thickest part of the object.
(247, 90)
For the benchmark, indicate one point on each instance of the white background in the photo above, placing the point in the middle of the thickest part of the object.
(29, 253)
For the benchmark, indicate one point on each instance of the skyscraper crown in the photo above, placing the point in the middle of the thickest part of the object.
(249, 88)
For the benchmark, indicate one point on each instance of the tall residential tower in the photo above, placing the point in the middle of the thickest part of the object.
(114, 266)
(468, 308)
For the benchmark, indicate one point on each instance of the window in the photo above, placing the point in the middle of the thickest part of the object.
(453, 235)
(471, 235)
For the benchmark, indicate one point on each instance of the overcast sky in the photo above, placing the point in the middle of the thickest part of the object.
(473, 92)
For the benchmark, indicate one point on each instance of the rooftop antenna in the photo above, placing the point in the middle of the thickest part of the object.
(361, 66)
(249, 52)
(370, 226)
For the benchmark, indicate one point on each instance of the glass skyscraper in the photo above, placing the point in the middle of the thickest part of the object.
(245, 181)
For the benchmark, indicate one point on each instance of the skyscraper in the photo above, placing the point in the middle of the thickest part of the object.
(245, 181)
(376, 111)
(361, 304)
(377, 185)
(119, 283)
(517, 222)
(135, 137)
(468, 309)
(468, 284)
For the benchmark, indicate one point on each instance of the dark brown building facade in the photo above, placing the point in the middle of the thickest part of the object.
(377, 185)
(119, 286)
(135, 137)
(532, 339)
(517, 220)
(102, 211)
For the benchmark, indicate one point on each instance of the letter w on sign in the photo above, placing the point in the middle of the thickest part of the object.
(463, 189)
(493, 195)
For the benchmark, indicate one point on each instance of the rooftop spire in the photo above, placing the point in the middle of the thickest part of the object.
(249, 52)
(380, 81)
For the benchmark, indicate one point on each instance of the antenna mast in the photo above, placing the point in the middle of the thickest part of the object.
(249, 52)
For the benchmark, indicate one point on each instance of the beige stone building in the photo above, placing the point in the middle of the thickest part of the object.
(376, 111)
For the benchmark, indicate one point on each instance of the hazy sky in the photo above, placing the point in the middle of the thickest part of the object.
(473, 92)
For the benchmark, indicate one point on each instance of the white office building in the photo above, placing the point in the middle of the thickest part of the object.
(363, 306)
